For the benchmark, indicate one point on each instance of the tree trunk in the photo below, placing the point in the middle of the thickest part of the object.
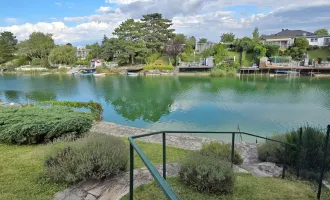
(132, 59)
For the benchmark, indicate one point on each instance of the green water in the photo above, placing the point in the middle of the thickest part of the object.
(258, 105)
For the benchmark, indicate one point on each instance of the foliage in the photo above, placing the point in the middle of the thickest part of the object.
(7, 46)
(202, 40)
(272, 50)
(152, 58)
(281, 59)
(188, 49)
(10, 38)
(95, 108)
(244, 44)
(159, 67)
(43, 62)
(225, 69)
(156, 31)
(83, 62)
(328, 58)
(311, 151)
(223, 151)
(38, 45)
(64, 54)
(207, 173)
(227, 37)
(180, 38)
(299, 49)
(220, 53)
(319, 53)
(191, 42)
(95, 51)
(31, 125)
(255, 34)
(207, 52)
(174, 48)
(259, 51)
(322, 32)
(247, 187)
(96, 156)
(109, 48)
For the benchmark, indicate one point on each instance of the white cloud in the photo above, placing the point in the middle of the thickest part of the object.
(11, 20)
(125, 1)
(58, 3)
(104, 9)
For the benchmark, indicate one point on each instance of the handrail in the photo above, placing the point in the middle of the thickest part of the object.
(161, 180)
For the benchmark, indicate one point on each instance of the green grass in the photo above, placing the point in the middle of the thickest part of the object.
(319, 53)
(21, 168)
(246, 187)
(247, 57)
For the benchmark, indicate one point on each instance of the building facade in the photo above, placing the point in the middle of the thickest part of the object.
(82, 53)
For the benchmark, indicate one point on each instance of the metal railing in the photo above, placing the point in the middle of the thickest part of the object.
(161, 179)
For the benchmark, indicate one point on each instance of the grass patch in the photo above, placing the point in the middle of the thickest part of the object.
(21, 168)
(319, 53)
(246, 187)
(247, 57)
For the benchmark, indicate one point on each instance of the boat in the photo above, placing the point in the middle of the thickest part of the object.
(99, 75)
(132, 74)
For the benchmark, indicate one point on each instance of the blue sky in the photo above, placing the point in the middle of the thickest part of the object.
(85, 21)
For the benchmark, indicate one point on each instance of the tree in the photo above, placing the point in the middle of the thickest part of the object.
(9, 37)
(272, 50)
(68, 44)
(241, 45)
(321, 32)
(109, 48)
(63, 55)
(191, 42)
(220, 53)
(207, 52)
(130, 42)
(95, 51)
(299, 48)
(156, 31)
(228, 37)
(180, 38)
(255, 34)
(259, 51)
(174, 48)
(7, 46)
(38, 45)
(203, 40)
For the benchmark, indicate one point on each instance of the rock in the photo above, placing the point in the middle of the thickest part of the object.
(90, 197)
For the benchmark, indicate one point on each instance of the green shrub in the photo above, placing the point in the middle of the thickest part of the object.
(206, 173)
(31, 125)
(272, 151)
(95, 108)
(159, 67)
(328, 58)
(218, 72)
(96, 156)
(151, 59)
(225, 69)
(223, 151)
(83, 62)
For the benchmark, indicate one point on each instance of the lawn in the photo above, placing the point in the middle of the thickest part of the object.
(21, 168)
(319, 53)
(246, 187)
(247, 57)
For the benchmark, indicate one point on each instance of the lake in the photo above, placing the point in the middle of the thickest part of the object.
(261, 105)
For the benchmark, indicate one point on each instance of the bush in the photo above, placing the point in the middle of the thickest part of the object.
(31, 125)
(159, 67)
(225, 69)
(83, 62)
(206, 173)
(96, 156)
(272, 151)
(223, 151)
(328, 59)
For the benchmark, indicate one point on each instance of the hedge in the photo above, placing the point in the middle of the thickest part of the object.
(222, 151)
(32, 125)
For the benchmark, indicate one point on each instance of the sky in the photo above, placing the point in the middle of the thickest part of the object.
(83, 22)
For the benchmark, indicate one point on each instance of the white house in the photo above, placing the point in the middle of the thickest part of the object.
(317, 40)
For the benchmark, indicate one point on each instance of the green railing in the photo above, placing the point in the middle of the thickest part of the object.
(161, 179)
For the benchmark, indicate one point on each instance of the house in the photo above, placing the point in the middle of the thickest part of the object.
(200, 47)
(285, 38)
(82, 53)
(97, 62)
(318, 40)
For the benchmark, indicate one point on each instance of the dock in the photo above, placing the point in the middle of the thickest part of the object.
(299, 70)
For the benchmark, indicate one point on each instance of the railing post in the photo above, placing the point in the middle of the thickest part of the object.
(299, 152)
(285, 158)
(164, 155)
(232, 149)
(131, 172)
(325, 151)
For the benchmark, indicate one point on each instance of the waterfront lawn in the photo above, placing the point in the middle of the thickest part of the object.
(21, 169)
(247, 57)
(319, 53)
(246, 187)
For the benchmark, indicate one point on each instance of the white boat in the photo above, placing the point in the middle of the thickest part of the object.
(98, 75)
(132, 74)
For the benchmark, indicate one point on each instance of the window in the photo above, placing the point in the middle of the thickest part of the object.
(314, 40)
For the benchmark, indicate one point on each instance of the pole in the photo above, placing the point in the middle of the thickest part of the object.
(232, 149)
(164, 156)
(131, 172)
(284, 165)
(299, 152)
(325, 150)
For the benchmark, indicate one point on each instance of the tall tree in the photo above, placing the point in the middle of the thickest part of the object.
(95, 51)
(9, 37)
(191, 42)
(299, 48)
(220, 53)
(156, 31)
(203, 40)
(63, 55)
(130, 42)
(38, 45)
(255, 34)
(7, 46)
(228, 37)
(322, 31)
(180, 38)
(109, 48)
